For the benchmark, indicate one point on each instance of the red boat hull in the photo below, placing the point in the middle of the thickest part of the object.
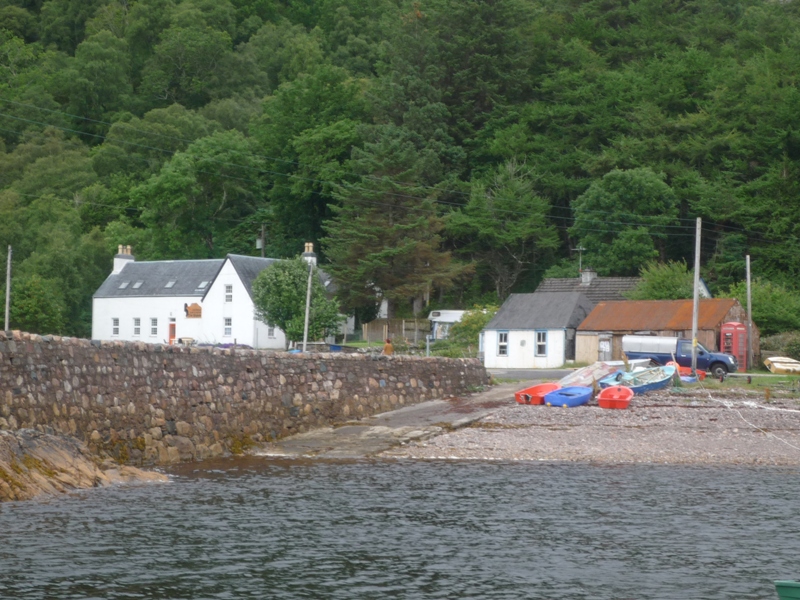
(535, 394)
(617, 396)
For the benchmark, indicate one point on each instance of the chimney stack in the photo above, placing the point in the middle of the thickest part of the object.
(587, 275)
(308, 255)
(123, 256)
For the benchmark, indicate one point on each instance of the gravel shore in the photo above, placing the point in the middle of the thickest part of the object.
(676, 426)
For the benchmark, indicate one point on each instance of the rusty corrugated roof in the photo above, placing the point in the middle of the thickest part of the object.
(656, 315)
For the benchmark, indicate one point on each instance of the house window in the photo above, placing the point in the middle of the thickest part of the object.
(228, 293)
(115, 326)
(137, 285)
(123, 285)
(228, 326)
(170, 283)
(270, 331)
(153, 326)
(502, 343)
(137, 326)
(541, 343)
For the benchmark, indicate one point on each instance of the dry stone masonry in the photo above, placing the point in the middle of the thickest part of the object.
(156, 404)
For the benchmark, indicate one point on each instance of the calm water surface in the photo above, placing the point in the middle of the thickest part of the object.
(261, 528)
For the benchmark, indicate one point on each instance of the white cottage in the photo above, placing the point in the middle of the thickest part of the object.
(534, 331)
(168, 301)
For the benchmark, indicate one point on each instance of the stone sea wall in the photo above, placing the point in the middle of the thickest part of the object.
(154, 404)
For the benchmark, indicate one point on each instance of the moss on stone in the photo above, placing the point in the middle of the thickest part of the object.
(241, 443)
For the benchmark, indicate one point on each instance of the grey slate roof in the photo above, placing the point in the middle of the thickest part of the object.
(248, 268)
(600, 289)
(542, 310)
(154, 275)
(187, 274)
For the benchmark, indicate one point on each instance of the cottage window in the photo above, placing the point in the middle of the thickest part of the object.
(115, 326)
(228, 293)
(541, 343)
(270, 331)
(137, 285)
(228, 326)
(123, 285)
(137, 326)
(153, 327)
(170, 283)
(502, 343)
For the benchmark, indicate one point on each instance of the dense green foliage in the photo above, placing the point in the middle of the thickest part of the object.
(443, 150)
(462, 339)
(664, 281)
(279, 295)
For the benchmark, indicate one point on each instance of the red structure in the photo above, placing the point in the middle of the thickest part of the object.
(733, 340)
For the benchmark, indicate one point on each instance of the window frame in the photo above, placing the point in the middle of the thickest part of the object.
(228, 292)
(115, 326)
(227, 326)
(270, 331)
(153, 326)
(502, 343)
(137, 326)
(538, 343)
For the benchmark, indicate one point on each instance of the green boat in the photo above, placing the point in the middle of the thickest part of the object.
(787, 590)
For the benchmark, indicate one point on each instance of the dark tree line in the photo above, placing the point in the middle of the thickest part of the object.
(441, 151)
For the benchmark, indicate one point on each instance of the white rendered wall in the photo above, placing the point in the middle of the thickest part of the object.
(246, 329)
(104, 310)
(521, 350)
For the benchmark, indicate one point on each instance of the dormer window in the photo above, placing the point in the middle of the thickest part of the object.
(123, 285)
(170, 284)
(137, 285)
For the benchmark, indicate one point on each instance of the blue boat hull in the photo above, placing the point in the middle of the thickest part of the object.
(629, 378)
(569, 396)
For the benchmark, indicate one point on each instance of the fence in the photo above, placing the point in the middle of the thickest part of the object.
(411, 330)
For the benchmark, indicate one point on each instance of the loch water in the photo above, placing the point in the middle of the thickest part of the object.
(267, 528)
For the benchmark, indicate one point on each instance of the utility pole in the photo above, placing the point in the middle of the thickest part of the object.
(749, 319)
(7, 324)
(308, 305)
(580, 250)
(696, 304)
(263, 239)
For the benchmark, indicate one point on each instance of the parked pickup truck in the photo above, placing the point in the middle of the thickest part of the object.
(662, 349)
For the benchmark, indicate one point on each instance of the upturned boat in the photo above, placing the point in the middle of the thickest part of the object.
(586, 376)
(648, 380)
(535, 394)
(569, 396)
(783, 365)
(617, 396)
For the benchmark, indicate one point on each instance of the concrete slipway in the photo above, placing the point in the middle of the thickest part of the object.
(373, 435)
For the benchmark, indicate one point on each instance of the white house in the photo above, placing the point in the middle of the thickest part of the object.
(534, 331)
(167, 301)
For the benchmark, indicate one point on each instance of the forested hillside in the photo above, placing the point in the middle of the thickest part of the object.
(449, 149)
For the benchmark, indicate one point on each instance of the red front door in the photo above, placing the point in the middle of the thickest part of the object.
(171, 333)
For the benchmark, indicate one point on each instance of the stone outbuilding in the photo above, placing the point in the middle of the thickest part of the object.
(599, 336)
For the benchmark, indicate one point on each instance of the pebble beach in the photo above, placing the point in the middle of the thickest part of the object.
(675, 426)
